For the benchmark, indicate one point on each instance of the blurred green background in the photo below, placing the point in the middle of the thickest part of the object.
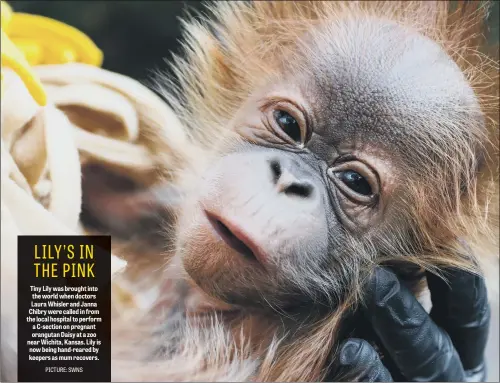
(137, 35)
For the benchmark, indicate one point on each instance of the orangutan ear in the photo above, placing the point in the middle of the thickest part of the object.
(116, 205)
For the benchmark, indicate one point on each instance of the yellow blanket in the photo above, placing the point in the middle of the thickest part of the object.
(54, 118)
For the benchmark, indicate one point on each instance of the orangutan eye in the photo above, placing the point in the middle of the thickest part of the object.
(356, 182)
(289, 125)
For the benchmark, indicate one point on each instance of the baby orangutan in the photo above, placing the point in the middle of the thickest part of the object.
(328, 137)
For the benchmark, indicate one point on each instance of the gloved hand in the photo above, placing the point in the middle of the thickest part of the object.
(447, 345)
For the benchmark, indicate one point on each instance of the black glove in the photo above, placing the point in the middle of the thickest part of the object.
(447, 345)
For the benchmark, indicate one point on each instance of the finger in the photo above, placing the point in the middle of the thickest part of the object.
(461, 308)
(418, 347)
(477, 374)
(358, 361)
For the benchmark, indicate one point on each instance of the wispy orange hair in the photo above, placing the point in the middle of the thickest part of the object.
(231, 53)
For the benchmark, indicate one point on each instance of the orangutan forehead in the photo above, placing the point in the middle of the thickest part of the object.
(380, 77)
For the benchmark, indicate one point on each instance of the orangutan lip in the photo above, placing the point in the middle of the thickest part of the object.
(235, 238)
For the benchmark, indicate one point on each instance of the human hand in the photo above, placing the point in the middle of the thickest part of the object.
(446, 345)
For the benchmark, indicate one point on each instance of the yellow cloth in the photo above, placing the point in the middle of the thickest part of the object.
(29, 40)
(53, 119)
(91, 115)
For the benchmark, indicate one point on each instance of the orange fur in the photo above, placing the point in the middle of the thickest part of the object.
(232, 56)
